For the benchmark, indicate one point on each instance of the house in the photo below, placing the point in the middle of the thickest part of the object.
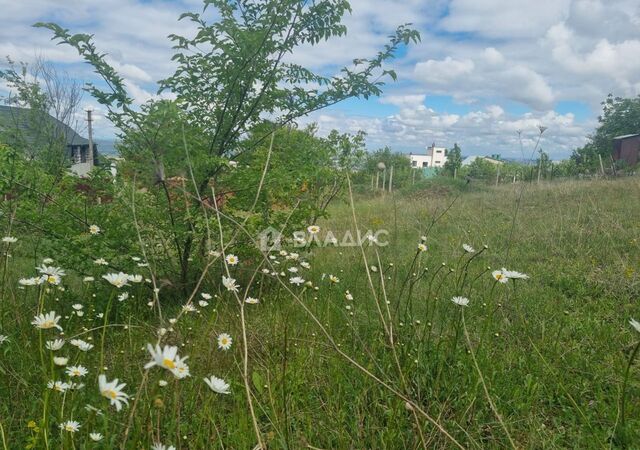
(36, 131)
(470, 159)
(626, 148)
(433, 158)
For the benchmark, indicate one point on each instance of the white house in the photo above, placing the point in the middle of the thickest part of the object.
(470, 159)
(434, 157)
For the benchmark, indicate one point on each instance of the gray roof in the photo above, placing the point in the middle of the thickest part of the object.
(31, 126)
(625, 136)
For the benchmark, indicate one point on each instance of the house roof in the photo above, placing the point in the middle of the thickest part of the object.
(31, 126)
(626, 136)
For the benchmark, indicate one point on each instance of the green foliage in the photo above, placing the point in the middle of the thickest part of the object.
(454, 160)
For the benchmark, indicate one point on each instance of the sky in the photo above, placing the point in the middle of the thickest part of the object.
(484, 70)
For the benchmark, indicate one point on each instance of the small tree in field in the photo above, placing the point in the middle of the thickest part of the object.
(454, 161)
(231, 75)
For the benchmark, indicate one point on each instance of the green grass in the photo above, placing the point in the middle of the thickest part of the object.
(552, 350)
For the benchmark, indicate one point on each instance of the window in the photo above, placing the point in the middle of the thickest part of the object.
(437, 162)
(425, 164)
(414, 163)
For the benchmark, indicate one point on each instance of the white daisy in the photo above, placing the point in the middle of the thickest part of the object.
(50, 274)
(467, 248)
(205, 296)
(462, 301)
(47, 321)
(29, 281)
(159, 446)
(119, 279)
(54, 345)
(305, 264)
(82, 345)
(203, 303)
(88, 279)
(77, 371)
(113, 391)
(252, 300)
(217, 385)
(3, 339)
(122, 297)
(94, 229)
(422, 247)
(224, 341)
(348, 295)
(334, 279)
(135, 278)
(58, 386)
(9, 240)
(70, 425)
(101, 262)
(635, 324)
(514, 275)
(499, 276)
(296, 280)
(231, 259)
(60, 360)
(313, 229)
(96, 437)
(230, 284)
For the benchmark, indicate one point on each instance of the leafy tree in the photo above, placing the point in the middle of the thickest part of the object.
(230, 75)
(454, 160)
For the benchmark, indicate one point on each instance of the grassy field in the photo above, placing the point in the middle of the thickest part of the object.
(537, 363)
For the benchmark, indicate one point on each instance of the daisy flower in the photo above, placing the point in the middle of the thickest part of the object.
(96, 437)
(188, 308)
(58, 386)
(70, 425)
(461, 301)
(182, 369)
(119, 279)
(293, 269)
(88, 279)
(122, 297)
(113, 391)
(54, 345)
(159, 446)
(135, 278)
(467, 248)
(224, 341)
(94, 229)
(3, 339)
(514, 275)
(60, 360)
(635, 324)
(168, 358)
(9, 240)
(82, 345)
(499, 276)
(230, 284)
(50, 274)
(305, 264)
(313, 229)
(205, 296)
(47, 321)
(203, 303)
(252, 300)
(29, 281)
(348, 295)
(422, 247)
(77, 371)
(217, 385)
(101, 262)
(296, 280)
(334, 279)
(231, 259)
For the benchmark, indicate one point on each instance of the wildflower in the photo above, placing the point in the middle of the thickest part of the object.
(422, 247)
(313, 229)
(205, 296)
(214, 253)
(94, 229)
(217, 385)
(462, 301)
(467, 248)
(296, 280)
(499, 276)
(77, 306)
(3, 339)
(50, 274)
(29, 281)
(305, 264)
(122, 297)
(96, 437)
(348, 295)
(135, 278)
(60, 360)
(224, 341)
(113, 391)
(47, 321)
(162, 383)
(374, 268)
(231, 259)
(230, 284)
(167, 358)
(252, 300)
(77, 371)
(54, 345)
(514, 275)
(101, 262)
(75, 386)
(119, 279)
(293, 269)
(88, 279)
(159, 446)
(135, 258)
(47, 261)
(58, 386)
(9, 240)
(70, 425)
(188, 308)
(635, 324)
(82, 345)
(334, 279)
(203, 303)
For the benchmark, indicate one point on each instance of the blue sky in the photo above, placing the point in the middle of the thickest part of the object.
(483, 71)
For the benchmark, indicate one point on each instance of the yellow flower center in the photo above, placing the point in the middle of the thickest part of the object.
(51, 279)
(48, 324)
(68, 427)
(168, 363)
(224, 341)
(110, 393)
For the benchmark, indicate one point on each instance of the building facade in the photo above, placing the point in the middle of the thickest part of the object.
(434, 157)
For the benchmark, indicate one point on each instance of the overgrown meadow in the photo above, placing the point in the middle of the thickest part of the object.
(424, 342)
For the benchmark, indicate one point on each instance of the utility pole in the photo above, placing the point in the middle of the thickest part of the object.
(90, 156)
(391, 180)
